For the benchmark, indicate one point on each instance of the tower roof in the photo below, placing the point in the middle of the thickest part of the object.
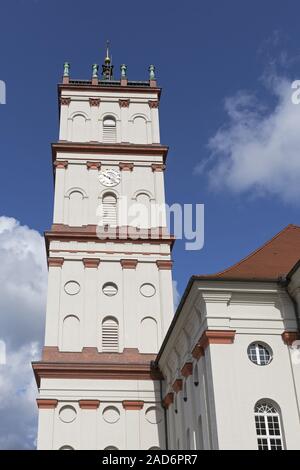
(272, 260)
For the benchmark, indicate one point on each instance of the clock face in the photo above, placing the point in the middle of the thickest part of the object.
(110, 178)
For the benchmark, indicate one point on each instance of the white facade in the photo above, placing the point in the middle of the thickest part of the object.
(110, 299)
(212, 387)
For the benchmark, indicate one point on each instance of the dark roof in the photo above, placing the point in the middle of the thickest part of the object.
(272, 260)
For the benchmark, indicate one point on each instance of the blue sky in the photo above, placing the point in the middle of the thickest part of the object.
(204, 52)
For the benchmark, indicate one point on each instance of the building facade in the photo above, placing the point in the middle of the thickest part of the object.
(110, 298)
(231, 358)
(119, 370)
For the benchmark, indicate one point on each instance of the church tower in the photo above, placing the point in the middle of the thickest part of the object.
(110, 299)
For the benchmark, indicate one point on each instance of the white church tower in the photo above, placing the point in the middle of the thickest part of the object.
(110, 299)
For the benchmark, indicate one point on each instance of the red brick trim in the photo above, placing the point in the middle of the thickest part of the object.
(164, 264)
(168, 400)
(129, 263)
(93, 165)
(60, 164)
(89, 404)
(44, 404)
(289, 337)
(177, 385)
(198, 351)
(217, 337)
(124, 103)
(153, 104)
(212, 337)
(108, 149)
(124, 166)
(158, 167)
(56, 262)
(94, 101)
(91, 262)
(187, 369)
(65, 100)
(132, 405)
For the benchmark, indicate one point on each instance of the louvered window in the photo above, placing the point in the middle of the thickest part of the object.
(109, 206)
(109, 130)
(110, 335)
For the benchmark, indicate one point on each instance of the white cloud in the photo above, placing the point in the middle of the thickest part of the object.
(258, 149)
(23, 277)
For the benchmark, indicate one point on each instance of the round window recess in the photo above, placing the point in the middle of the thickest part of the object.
(147, 290)
(111, 414)
(153, 415)
(72, 288)
(67, 414)
(110, 289)
(259, 353)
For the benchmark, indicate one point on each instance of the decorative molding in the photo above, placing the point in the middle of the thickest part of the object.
(46, 404)
(93, 165)
(124, 103)
(85, 148)
(198, 352)
(129, 263)
(216, 297)
(212, 337)
(132, 405)
(289, 337)
(164, 264)
(177, 385)
(91, 262)
(94, 101)
(142, 89)
(168, 400)
(89, 404)
(153, 104)
(65, 100)
(55, 262)
(96, 371)
(60, 164)
(126, 166)
(158, 167)
(187, 369)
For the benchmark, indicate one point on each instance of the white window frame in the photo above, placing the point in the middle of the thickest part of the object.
(257, 360)
(271, 411)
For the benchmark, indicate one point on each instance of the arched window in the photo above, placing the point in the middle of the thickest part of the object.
(109, 130)
(79, 129)
(76, 208)
(109, 209)
(148, 335)
(268, 426)
(175, 403)
(66, 447)
(111, 448)
(71, 333)
(110, 335)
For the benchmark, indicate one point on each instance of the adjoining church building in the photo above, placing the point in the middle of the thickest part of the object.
(119, 370)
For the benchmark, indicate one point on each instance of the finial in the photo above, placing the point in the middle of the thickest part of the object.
(123, 69)
(107, 58)
(66, 69)
(151, 72)
(95, 68)
(107, 68)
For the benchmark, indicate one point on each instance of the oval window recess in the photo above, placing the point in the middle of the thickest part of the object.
(147, 290)
(72, 288)
(111, 414)
(110, 289)
(153, 415)
(67, 414)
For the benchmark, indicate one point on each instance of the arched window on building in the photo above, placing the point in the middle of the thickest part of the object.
(196, 374)
(110, 335)
(268, 426)
(184, 390)
(109, 129)
(109, 209)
